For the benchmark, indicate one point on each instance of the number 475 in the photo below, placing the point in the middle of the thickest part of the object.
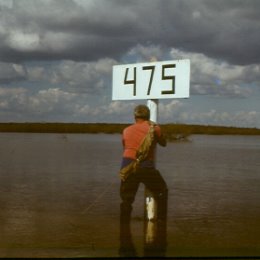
(152, 69)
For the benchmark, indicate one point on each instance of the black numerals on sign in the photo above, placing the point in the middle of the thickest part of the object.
(131, 81)
(151, 77)
(165, 76)
(172, 78)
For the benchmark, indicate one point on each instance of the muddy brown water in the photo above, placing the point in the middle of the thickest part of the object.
(59, 196)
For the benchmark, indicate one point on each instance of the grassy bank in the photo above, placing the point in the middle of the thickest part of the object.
(61, 128)
(171, 130)
(209, 130)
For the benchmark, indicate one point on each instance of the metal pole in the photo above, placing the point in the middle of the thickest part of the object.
(150, 208)
(153, 106)
(150, 204)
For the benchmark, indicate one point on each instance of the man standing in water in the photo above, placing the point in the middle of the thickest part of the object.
(145, 171)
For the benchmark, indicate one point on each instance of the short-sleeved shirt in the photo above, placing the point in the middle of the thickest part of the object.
(132, 137)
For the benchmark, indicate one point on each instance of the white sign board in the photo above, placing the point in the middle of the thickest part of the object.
(153, 80)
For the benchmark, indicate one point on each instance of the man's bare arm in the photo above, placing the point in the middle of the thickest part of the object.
(162, 140)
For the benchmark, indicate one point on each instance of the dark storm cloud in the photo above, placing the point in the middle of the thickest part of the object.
(219, 29)
(88, 30)
(34, 30)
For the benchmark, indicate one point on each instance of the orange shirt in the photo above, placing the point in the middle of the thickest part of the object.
(133, 136)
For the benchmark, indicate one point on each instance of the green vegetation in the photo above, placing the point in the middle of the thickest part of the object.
(181, 132)
(172, 131)
(61, 128)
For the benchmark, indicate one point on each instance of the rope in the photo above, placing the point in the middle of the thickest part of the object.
(97, 199)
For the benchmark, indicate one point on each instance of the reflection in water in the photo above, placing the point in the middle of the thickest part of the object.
(127, 248)
(155, 238)
(155, 242)
(46, 183)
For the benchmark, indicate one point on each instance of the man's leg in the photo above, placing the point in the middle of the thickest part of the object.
(128, 191)
(153, 180)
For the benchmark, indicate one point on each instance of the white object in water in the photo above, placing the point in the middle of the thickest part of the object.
(151, 208)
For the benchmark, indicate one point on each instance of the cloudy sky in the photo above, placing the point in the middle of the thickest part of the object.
(56, 58)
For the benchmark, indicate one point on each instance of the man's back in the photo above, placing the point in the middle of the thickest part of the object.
(133, 136)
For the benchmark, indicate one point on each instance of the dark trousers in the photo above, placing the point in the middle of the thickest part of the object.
(153, 181)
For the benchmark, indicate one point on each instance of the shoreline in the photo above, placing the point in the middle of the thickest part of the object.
(171, 131)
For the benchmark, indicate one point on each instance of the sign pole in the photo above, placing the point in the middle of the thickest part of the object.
(153, 106)
(150, 204)
(150, 208)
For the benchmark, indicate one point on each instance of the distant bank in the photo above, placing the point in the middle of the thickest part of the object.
(171, 130)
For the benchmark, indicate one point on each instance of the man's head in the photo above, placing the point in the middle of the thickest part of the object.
(142, 112)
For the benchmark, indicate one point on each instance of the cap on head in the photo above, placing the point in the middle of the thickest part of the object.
(142, 111)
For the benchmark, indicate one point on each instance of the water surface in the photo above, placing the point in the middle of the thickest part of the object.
(59, 196)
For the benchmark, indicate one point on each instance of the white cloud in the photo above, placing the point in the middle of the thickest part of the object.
(54, 95)
(119, 108)
(89, 30)
(69, 89)
(77, 77)
(19, 100)
(214, 117)
(213, 77)
(116, 111)
(74, 43)
(23, 41)
(245, 119)
(7, 92)
(170, 110)
(145, 53)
